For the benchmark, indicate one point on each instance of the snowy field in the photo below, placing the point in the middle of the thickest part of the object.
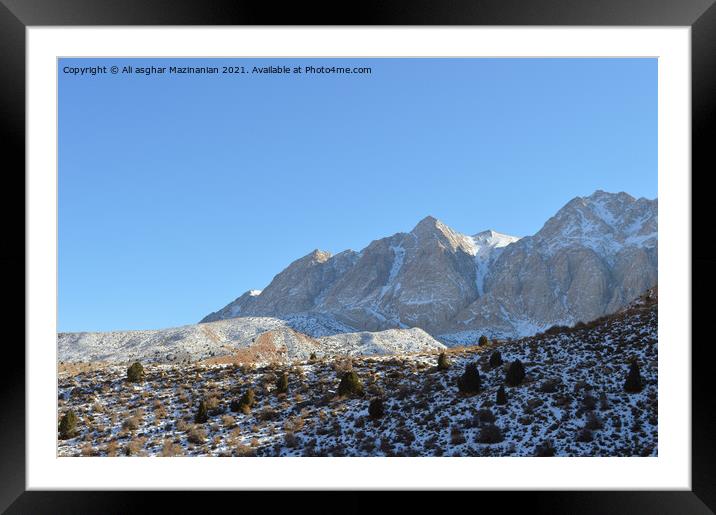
(571, 402)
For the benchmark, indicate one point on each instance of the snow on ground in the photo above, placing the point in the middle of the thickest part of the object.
(571, 403)
(390, 341)
(294, 337)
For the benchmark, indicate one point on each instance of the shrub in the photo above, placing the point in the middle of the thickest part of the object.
(282, 383)
(246, 450)
(501, 397)
(495, 359)
(267, 414)
(289, 439)
(313, 357)
(593, 422)
(212, 403)
(585, 435)
(515, 374)
(443, 362)
(589, 402)
(350, 384)
(633, 383)
(132, 423)
(111, 448)
(456, 436)
(135, 373)
(196, 435)
(549, 386)
(228, 421)
(545, 450)
(68, 425)
(134, 447)
(486, 416)
(376, 409)
(169, 448)
(88, 450)
(470, 381)
(482, 340)
(490, 434)
(202, 413)
(245, 403)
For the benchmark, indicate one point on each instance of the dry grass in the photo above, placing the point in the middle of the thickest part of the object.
(170, 448)
(88, 450)
(136, 447)
(132, 423)
(196, 435)
(112, 448)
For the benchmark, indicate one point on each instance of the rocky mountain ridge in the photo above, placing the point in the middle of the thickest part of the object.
(593, 257)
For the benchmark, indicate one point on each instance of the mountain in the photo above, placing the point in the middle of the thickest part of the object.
(593, 257)
(596, 255)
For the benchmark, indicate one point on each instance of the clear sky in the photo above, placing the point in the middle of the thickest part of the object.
(177, 193)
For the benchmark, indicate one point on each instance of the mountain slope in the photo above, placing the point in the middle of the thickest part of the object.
(571, 403)
(593, 257)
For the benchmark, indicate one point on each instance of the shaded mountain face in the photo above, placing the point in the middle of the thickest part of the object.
(596, 255)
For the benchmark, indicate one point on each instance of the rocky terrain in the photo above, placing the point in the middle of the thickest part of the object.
(570, 402)
(597, 254)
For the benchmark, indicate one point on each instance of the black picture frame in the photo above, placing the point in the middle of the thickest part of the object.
(700, 15)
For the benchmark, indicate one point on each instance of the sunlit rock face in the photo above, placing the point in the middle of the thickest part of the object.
(597, 254)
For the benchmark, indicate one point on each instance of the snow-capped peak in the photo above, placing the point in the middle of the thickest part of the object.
(603, 221)
(486, 246)
(493, 239)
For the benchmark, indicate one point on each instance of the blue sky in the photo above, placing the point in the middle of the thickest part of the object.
(177, 193)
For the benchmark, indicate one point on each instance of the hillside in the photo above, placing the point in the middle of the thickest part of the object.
(257, 340)
(570, 403)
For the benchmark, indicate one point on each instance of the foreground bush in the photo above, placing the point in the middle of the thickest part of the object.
(350, 384)
(501, 397)
(245, 403)
(633, 383)
(376, 409)
(443, 362)
(495, 359)
(470, 381)
(202, 413)
(196, 435)
(515, 374)
(585, 435)
(490, 434)
(545, 450)
(135, 373)
(68, 425)
(486, 416)
(282, 383)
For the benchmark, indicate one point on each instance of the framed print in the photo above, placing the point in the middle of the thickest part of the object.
(438, 249)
